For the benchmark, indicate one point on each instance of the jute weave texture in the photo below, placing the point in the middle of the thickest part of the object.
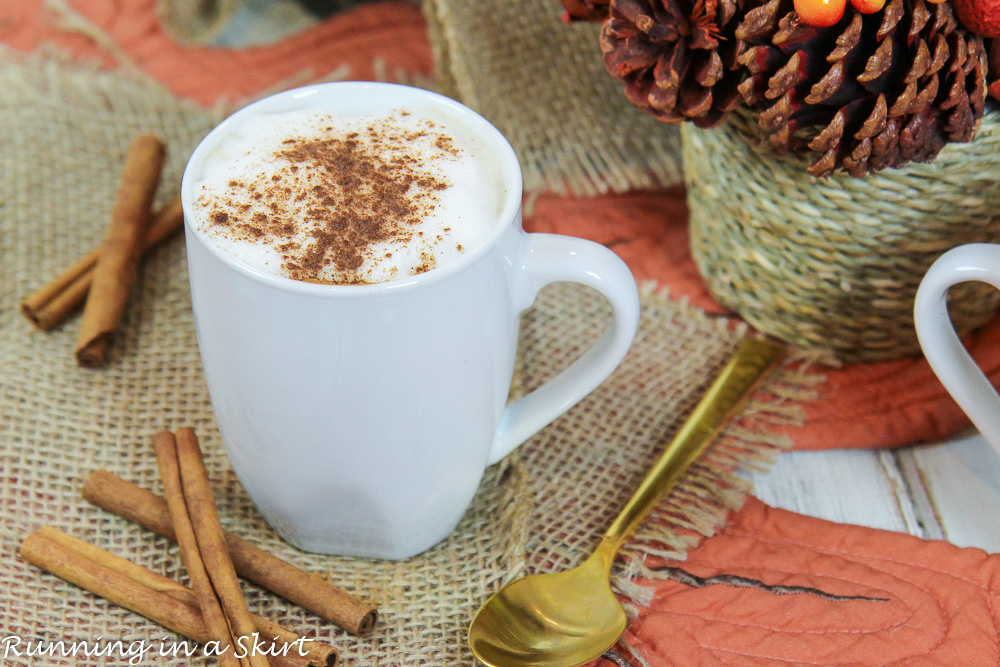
(834, 264)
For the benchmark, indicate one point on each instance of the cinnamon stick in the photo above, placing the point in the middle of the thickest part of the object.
(199, 534)
(305, 589)
(121, 250)
(55, 301)
(123, 566)
(117, 588)
(156, 597)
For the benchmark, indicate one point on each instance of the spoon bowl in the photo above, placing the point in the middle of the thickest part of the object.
(567, 619)
(551, 620)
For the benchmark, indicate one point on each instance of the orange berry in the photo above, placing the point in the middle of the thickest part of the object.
(820, 13)
(868, 6)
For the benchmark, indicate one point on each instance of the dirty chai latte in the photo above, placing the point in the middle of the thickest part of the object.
(348, 200)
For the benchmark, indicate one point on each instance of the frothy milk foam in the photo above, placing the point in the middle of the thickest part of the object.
(350, 200)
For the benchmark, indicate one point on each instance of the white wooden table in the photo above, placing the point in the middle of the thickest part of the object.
(948, 490)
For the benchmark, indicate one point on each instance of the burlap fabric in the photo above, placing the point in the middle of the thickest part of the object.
(64, 132)
(543, 83)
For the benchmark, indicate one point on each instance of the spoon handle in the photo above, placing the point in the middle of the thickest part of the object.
(751, 364)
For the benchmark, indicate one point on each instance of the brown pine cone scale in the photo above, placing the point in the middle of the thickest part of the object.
(676, 58)
(873, 92)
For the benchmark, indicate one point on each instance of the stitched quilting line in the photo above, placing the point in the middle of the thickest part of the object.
(736, 581)
(715, 650)
(833, 417)
(883, 628)
(777, 630)
(844, 553)
(772, 659)
(845, 579)
(928, 651)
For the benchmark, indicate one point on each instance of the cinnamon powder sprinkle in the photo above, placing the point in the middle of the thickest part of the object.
(331, 198)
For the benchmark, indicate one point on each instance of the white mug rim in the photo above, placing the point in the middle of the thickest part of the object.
(504, 152)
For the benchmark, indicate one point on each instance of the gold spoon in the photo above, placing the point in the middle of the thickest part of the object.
(569, 618)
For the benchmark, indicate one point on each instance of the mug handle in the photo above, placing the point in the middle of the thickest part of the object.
(944, 351)
(550, 258)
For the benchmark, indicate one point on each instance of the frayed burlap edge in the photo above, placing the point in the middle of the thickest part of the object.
(750, 442)
(685, 517)
(70, 20)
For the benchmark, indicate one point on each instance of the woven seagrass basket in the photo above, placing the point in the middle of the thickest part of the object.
(834, 264)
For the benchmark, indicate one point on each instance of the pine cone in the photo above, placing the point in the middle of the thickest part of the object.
(875, 91)
(677, 59)
(585, 10)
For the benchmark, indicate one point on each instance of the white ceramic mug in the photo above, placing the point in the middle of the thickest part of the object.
(942, 347)
(360, 418)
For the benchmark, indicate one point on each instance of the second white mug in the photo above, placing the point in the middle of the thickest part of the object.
(941, 345)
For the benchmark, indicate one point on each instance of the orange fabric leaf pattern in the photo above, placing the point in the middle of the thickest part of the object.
(778, 588)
